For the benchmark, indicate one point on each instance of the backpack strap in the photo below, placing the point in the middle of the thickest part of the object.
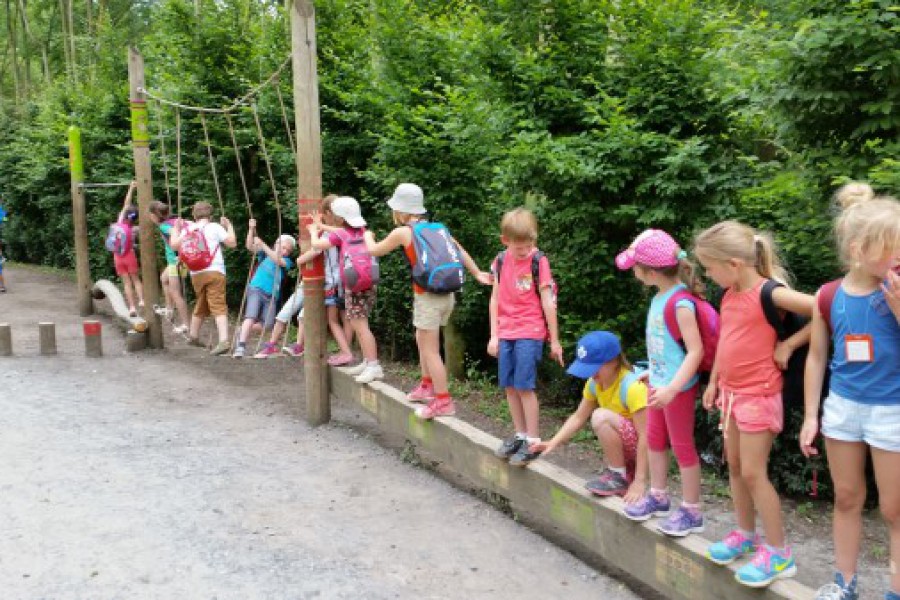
(769, 308)
(825, 298)
(592, 386)
(536, 271)
(669, 312)
(500, 256)
(628, 380)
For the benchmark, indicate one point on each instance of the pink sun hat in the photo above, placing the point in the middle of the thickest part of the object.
(652, 248)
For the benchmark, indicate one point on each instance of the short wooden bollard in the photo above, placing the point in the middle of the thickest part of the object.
(5, 339)
(47, 333)
(93, 341)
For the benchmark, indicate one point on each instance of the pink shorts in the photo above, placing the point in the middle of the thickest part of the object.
(629, 445)
(126, 264)
(752, 414)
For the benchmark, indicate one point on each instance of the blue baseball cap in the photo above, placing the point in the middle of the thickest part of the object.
(594, 350)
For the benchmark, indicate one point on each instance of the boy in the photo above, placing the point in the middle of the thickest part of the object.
(522, 316)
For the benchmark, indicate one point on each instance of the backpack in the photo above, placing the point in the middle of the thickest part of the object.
(792, 392)
(825, 298)
(118, 239)
(535, 272)
(438, 266)
(707, 323)
(358, 268)
(628, 380)
(194, 251)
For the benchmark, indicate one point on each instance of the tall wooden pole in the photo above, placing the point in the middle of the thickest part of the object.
(309, 197)
(140, 143)
(79, 221)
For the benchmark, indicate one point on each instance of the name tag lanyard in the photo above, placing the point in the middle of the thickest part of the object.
(858, 347)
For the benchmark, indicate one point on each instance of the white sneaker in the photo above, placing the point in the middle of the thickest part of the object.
(370, 374)
(356, 369)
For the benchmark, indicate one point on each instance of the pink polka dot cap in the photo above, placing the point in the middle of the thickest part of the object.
(652, 248)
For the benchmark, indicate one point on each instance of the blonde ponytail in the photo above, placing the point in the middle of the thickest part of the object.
(733, 240)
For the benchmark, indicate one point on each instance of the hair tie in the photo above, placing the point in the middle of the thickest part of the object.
(756, 239)
(682, 254)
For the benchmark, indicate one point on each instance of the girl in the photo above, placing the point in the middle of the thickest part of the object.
(615, 402)
(359, 304)
(126, 264)
(170, 278)
(338, 324)
(659, 262)
(860, 317)
(430, 311)
(747, 378)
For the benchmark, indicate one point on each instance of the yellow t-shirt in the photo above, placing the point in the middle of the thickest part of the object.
(611, 398)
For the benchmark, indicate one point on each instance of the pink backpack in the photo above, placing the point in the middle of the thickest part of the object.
(194, 251)
(359, 269)
(707, 323)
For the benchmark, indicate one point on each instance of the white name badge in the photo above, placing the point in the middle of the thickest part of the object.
(860, 348)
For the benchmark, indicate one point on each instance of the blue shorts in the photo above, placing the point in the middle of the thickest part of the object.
(878, 425)
(518, 361)
(259, 307)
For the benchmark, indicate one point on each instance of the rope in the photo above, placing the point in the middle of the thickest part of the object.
(237, 158)
(178, 159)
(163, 155)
(212, 164)
(287, 124)
(104, 185)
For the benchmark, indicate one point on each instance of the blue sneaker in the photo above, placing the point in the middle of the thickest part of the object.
(682, 522)
(767, 566)
(735, 545)
(892, 595)
(839, 590)
(646, 507)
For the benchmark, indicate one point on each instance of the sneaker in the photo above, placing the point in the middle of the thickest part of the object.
(294, 349)
(2, 289)
(509, 447)
(268, 350)
(356, 369)
(421, 393)
(221, 348)
(238, 352)
(132, 312)
(163, 311)
(609, 483)
(892, 595)
(180, 330)
(195, 342)
(370, 374)
(839, 590)
(339, 360)
(646, 507)
(439, 407)
(523, 456)
(682, 522)
(735, 545)
(767, 566)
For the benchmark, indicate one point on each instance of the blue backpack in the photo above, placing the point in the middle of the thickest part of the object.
(438, 266)
(628, 380)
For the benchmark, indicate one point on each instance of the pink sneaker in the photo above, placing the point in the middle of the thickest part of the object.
(443, 407)
(421, 393)
(294, 349)
(339, 360)
(268, 350)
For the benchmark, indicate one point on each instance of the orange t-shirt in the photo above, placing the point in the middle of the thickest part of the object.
(411, 257)
(745, 356)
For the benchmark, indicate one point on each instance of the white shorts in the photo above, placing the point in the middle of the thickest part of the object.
(878, 425)
(291, 307)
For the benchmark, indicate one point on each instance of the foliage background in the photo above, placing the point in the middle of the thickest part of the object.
(604, 117)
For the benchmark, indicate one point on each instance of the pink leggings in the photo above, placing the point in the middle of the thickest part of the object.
(674, 423)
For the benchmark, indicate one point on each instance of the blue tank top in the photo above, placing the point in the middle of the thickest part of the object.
(665, 354)
(876, 382)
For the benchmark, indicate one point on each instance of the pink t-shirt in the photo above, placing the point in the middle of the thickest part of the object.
(520, 315)
(745, 356)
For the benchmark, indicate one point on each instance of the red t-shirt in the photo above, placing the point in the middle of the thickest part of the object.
(520, 314)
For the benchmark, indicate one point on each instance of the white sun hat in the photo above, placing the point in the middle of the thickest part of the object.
(347, 208)
(408, 198)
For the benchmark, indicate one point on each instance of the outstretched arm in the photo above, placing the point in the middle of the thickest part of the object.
(127, 202)
(251, 235)
(230, 240)
(400, 236)
(483, 277)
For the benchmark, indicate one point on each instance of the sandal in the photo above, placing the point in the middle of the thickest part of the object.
(338, 360)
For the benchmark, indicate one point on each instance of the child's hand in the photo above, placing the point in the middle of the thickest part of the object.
(782, 355)
(316, 217)
(709, 397)
(556, 353)
(313, 230)
(485, 278)
(493, 346)
(544, 448)
(223, 220)
(132, 185)
(808, 437)
(251, 223)
(891, 289)
(660, 397)
(257, 243)
(635, 491)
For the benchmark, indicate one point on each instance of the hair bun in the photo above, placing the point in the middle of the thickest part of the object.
(853, 193)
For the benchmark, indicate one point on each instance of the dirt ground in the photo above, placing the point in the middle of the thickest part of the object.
(178, 475)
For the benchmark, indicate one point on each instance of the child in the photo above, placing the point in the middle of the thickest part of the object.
(859, 317)
(617, 416)
(127, 264)
(359, 304)
(265, 286)
(208, 282)
(522, 313)
(2, 260)
(659, 262)
(335, 306)
(170, 278)
(430, 311)
(747, 378)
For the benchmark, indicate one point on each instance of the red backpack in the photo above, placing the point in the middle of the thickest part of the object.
(825, 298)
(707, 323)
(194, 251)
(359, 269)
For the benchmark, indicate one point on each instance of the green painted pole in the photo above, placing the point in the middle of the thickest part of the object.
(79, 221)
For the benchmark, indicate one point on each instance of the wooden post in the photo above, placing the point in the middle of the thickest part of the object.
(140, 143)
(47, 338)
(309, 196)
(5, 339)
(79, 221)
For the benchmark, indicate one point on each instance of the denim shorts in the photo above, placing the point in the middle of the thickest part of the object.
(259, 307)
(878, 425)
(518, 361)
(291, 307)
